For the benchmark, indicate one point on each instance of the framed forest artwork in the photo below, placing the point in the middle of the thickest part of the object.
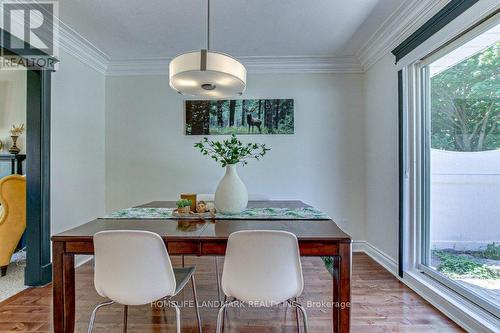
(239, 116)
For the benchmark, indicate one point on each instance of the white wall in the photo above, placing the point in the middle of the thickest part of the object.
(150, 158)
(77, 144)
(381, 133)
(12, 106)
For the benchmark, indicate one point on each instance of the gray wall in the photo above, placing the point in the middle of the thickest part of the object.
(381, 153)
(77, 144)
(150, 158)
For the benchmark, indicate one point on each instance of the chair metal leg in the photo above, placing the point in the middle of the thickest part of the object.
(125, 318)
(217, 278)
(297, 315)
(92, 317)
(177, 317)
(221, 315)
(304, 315)
(198, 318)
(224, 314)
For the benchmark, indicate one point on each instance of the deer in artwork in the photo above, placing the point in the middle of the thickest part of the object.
(251, 121)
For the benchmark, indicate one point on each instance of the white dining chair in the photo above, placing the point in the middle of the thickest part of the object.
(210, 197)
(133, 268)
(262, 268)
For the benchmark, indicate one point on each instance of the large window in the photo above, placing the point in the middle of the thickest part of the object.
(460, 167)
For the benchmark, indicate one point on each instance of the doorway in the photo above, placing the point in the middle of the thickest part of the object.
(38, 270)
(12, 181)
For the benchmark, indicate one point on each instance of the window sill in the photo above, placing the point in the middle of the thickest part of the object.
(465, 313)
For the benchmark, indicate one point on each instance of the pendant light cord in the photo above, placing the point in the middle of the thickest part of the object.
(208, 25)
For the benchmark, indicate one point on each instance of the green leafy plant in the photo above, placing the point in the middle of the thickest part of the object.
(183, 203)
(459, 266)
(328, 262)
(231, 151)
(492, 252)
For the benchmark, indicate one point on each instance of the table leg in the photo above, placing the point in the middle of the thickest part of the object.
(63, 289)
(344, 288)
(336, 293)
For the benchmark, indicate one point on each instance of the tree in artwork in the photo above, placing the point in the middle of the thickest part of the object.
(247, 116)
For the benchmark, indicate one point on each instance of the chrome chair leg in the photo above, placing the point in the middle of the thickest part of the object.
(125, 317)
(221, 315)
(94, 312)
(224, 314)
(217, 278)
(198, 318)
(177, 317)
(297, 315)
(304, 315)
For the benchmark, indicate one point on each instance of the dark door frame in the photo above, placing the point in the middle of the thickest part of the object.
(38, 81)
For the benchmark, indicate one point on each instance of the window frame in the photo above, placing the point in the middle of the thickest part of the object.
(417, 147)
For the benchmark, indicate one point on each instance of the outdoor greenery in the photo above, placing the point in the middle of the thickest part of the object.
(462, 266)
(244, 116)
(492, 252)
(231, 151)
(328, 262)
(466, 104)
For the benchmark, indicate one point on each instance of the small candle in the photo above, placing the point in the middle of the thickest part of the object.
(192, 198)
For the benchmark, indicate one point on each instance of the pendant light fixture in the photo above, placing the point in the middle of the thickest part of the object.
(207, 73)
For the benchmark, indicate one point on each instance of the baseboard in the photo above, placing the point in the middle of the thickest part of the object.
(358, 246)
(379, 256)
(468, 316)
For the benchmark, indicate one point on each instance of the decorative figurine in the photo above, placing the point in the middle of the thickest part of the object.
(15, 132)
(210, 206)
(201, 207)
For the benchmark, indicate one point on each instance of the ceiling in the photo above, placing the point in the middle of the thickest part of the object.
(131, 29)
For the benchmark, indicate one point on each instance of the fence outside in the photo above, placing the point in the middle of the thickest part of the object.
(465, 199)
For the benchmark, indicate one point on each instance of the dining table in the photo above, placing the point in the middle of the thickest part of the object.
(205, 237)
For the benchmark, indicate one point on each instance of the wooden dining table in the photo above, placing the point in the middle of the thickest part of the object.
(317, 237)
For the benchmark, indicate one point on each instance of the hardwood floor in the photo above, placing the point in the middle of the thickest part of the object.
(380, 304)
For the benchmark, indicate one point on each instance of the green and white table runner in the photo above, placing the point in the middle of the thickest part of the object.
(304, 213)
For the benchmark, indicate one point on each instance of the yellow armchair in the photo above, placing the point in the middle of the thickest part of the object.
(13, 216)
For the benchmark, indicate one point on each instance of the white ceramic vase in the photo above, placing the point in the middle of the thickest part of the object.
(231, 196)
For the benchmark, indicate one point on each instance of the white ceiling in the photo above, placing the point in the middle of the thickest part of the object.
(131, 29)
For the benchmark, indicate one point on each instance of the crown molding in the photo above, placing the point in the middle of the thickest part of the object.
(407, 18)
(302, 64)
(73, 43)
(254, 65)
(130, 67)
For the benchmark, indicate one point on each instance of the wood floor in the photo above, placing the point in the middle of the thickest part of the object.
(380, 304)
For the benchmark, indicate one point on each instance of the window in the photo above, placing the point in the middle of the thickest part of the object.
(459, 161)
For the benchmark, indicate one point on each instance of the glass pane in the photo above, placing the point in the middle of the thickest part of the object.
(464, 230)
